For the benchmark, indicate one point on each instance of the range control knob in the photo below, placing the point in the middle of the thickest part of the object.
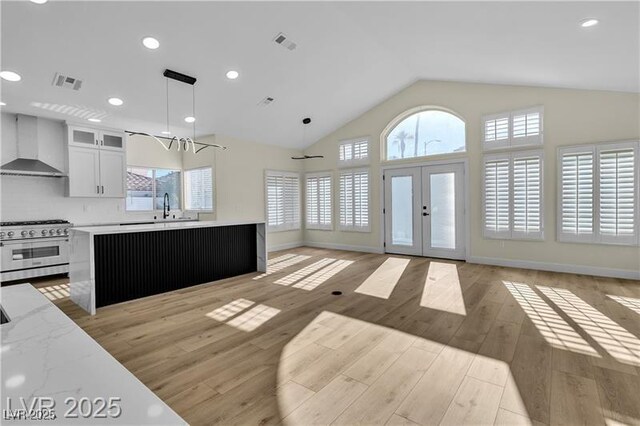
(10, 234)
(1, 234)
(32, 233)
(66, 231)
(23, 233)
(44, 232)
(59, 231)
(52, 231)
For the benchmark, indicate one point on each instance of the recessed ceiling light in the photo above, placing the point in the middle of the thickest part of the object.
(94, 120)
(232, 75)
(115, 101)
(10, 76)
(165, 132)
(590, 22)
(190, 119)
(150, 43)
(39, 1)
(3, 104)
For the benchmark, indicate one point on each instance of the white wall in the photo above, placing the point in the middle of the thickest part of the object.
(571, 117)
(239, 181)
(35, 198)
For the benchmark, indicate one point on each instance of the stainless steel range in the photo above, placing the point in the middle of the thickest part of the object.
(34, 248)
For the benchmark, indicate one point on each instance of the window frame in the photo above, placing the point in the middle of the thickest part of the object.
(285, 226)
(408, 113)
(511, 141)
(354, 228)
(184, 192)
(512, 234)
(153, 189)
(596, 237)
(318, 226)
(354, 162)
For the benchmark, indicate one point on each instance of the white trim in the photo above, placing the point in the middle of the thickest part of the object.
(557, 267)
(363, 249)
(286, 246)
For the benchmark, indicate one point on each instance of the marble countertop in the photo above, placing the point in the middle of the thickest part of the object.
(46, 356)
(133, 221)
(121, 229)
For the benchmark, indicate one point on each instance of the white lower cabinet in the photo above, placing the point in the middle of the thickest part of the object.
(96, 173)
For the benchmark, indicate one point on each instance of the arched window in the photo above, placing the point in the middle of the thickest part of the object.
(425, 133)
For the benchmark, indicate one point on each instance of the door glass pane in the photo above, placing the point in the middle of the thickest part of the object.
(112, 141)
(81, 136)
(443, 211)
(401, 210)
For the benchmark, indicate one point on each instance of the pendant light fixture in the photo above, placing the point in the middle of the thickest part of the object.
(182, 143)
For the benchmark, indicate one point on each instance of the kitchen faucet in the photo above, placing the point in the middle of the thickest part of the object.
(166, 207)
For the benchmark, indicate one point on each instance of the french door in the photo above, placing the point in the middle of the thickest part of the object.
(424, 211)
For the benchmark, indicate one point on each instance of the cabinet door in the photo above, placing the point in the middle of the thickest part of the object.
(112, 140)
(113, 170)
(84, 172)
(83, 136)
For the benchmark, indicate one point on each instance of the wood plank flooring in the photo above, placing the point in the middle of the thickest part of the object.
(423, 342)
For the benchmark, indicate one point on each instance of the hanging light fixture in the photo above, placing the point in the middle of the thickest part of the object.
(182, 143)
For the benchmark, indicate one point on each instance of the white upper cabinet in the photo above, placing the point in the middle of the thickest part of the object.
(97, 162)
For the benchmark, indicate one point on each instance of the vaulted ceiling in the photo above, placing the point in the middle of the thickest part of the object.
(349, 57)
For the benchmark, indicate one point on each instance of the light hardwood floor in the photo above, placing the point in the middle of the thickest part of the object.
(450, 343)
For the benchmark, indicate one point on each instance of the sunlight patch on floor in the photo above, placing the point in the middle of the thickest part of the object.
(272, 269)
(622, 345)
(551, 326)
(629, 302)
(55, 292)
(442, 290)
(281, 258)
(323, 275)
(225, 312)
(384, 279)
(253, 318)
(307, 270)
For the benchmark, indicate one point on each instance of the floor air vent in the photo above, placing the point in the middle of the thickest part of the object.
(336, 293)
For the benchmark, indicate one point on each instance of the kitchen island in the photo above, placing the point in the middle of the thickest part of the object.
(113, 264)
(54, 372)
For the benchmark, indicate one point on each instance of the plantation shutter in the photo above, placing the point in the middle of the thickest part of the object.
(283, 200)
(527, 195)
(199, 189)
(354, 200)
(576, 194)
(526, 127)
(353, 152)
(496, 197)
(496, 131)
(318, 202)
(617, 186)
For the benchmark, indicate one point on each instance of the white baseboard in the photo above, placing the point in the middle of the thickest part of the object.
(558, 267)
(365, 249)
(286, 246)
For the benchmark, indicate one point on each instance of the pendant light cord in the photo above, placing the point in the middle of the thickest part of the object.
(167, 80)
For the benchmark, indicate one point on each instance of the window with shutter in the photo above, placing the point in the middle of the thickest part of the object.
(283, 201)
(598, 193)
(496, 197)
(353, 152)
(512, 196)
(513, 129)
(576, 194)
(354, 200)
(527, 195)
(318, 201)
(617, 188)
(198, 193)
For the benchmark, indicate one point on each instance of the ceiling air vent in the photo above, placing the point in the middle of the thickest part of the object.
(66, 82)
(284, 41)
(266, 101)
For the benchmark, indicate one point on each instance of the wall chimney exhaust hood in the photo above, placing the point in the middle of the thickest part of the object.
(29, 161)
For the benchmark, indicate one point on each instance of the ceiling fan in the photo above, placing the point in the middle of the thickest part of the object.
(306, 121)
